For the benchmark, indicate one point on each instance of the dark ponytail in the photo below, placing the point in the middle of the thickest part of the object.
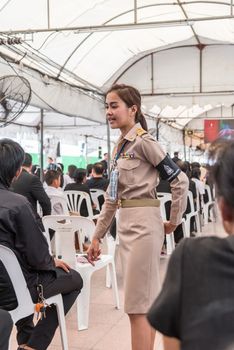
(141, 119)
(131, 96)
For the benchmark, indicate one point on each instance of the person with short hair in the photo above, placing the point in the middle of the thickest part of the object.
(176, 157)
(97, 180)
(30, 186)
(20, 232)
(53, 189)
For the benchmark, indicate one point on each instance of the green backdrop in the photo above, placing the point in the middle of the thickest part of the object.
(80, 162)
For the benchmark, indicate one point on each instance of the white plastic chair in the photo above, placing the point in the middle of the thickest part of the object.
(95, 194)
(65, 232)
(111, 248)
(210, 204)
(164, 198)
(26, 306)
(75, 199)
(199, 205)
(193, 213)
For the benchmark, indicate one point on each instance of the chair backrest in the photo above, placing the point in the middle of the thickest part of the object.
(25, 304)
(97, 194)
(209, 195)
(164, 198)
(191, 202)
(65, 227)
(75, 199)
(199, 201)
(57, 200)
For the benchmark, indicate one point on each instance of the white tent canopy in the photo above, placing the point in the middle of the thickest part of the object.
(179, 54)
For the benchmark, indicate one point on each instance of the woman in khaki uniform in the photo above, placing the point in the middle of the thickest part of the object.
(138, 161)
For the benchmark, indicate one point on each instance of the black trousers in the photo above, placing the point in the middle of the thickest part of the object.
(40, 336)
(6, 325)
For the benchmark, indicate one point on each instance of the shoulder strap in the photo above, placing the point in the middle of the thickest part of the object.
(141, 132)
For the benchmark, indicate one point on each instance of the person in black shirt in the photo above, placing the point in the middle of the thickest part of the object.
(97, 180)
(20, 232)
(30, 186)
(176, 157)
(195, 309)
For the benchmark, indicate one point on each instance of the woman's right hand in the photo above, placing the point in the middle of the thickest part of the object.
(94, 250)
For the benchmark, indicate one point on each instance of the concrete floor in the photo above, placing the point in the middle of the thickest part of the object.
(108, 328)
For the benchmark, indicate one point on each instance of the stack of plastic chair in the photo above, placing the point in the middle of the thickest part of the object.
(193, 213)
(210, 205)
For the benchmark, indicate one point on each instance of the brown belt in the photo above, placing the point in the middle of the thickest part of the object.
(131, 203)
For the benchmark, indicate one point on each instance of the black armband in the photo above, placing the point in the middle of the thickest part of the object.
(168, 170)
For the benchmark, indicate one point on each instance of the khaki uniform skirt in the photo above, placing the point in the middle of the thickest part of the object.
(141, 235)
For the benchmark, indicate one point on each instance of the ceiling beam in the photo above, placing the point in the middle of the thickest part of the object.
(119, 27)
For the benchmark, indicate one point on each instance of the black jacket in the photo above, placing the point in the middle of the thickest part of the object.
(98, 182)
(20, 232)
(31, 187)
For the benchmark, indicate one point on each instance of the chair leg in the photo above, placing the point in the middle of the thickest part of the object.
(111, 245)
(114, 283)
(198, 224)
(62, 324)
(108, 277)
(184, 228)
(206, 214)
(170, 243)
(83, 302)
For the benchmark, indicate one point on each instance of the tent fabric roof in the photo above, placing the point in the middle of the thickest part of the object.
(90, 44)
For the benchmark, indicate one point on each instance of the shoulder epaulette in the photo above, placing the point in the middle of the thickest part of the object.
(140, 132)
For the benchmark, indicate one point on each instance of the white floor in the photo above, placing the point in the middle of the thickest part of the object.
(108, 327)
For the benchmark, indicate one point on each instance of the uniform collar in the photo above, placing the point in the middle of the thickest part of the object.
(132, 134)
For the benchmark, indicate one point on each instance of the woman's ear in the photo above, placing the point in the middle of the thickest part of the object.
(227, 214)
(134, 109)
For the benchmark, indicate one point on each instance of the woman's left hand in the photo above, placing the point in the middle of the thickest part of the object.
(169, 227)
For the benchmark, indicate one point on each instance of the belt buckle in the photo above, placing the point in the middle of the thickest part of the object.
(119, 203)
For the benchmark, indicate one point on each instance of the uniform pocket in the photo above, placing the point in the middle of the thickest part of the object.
(127, 170)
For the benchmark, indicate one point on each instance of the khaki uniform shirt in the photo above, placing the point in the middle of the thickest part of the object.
(138, 177)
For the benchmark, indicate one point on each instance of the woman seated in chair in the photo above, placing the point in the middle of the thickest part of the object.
(20, 232)
(195, 309)
(80, 185)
